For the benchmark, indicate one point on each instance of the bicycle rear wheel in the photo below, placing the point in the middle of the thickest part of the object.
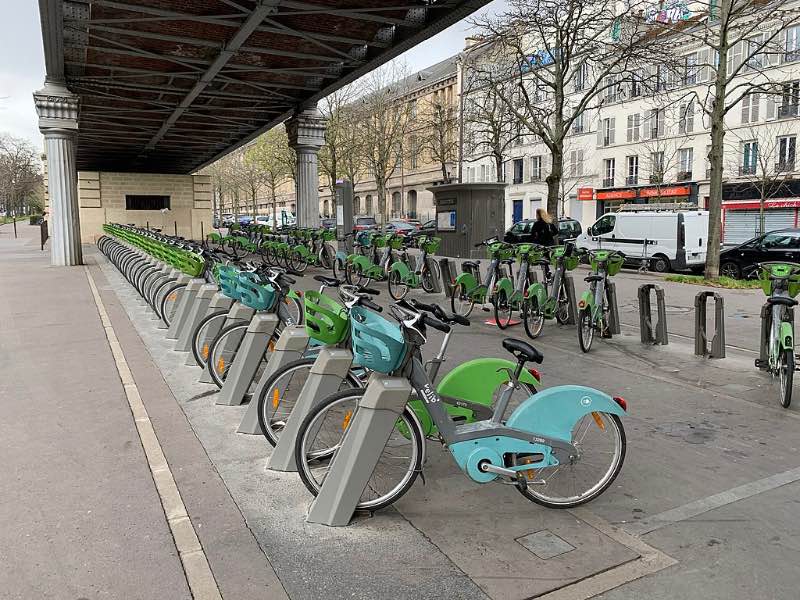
(202, 339)
(533, 317)
(320, 437)
(562, 306)
(397, 289)
(460, 301)
(170, 301)
(430, 274)
(223, 351)
(502, 309)
(600, 439)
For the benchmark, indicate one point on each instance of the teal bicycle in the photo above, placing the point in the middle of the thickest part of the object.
(781, 283)
(560, 447)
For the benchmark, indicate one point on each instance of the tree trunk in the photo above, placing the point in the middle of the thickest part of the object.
(554, 183)
(498, 163)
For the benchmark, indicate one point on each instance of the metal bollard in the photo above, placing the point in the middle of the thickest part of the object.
(569, 284)
(649, 334)
(701, 338)
(613, 308)
(448, 280)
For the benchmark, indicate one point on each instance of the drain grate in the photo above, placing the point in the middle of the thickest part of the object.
(545, 544)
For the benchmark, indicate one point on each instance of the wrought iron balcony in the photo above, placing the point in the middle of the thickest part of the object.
(684, 175)
(747, 170)
(631, 180)
(608, 182)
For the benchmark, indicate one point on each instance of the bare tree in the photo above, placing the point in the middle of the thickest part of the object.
(383, 121)
(342, 154)
(435, 132)
(490, 127)
(20, 176)
(741, 40)
(564, 57)
(274, 158)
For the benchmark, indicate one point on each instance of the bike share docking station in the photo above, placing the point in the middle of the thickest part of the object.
(655, 334)
(325, 378)
(184, 303)
(766, 327)
(252, 350)
(238, 313)
(219, 302)
(355, 460)
(196, 312)
(290, 347)
(701, 338)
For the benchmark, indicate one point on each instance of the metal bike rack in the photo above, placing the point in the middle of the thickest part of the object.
(355, 460)
(237, 314)
(289, 347)
(572, 313)
(656, 335)
(448, 280)
(250, 354)
(218, 302)
(701, 338)
(437, 285)
(324, 379)
(196, 313)
(186, 298)
(613, 308)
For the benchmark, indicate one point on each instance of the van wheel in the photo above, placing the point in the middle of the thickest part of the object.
(659, 263)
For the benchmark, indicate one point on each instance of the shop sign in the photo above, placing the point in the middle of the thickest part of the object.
(585, 193)
(672, 190)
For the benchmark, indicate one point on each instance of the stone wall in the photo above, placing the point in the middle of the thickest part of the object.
(101, 196)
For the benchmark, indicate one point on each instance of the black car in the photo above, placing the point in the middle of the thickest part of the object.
(740, 261)
(521, 232)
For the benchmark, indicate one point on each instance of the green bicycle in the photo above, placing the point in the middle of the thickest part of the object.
(426, 272)
(550, 300)
(469, 288)
(781, 283)
(594, 306)
(512, 296)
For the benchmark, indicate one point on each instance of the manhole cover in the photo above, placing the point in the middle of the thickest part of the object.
(545, 544)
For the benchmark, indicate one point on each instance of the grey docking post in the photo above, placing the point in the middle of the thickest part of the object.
(650, 334)
(701, 337)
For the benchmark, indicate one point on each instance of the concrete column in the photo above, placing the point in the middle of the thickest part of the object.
(306, 132)
(57, 108)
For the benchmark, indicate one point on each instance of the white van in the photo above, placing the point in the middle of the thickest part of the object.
(285, 217)
(670, 239)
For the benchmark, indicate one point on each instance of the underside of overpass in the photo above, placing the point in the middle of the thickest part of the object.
(169, 86)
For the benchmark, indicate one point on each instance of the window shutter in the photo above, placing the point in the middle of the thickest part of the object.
(755, 101)
(770, 107)
(580, 162)
(613, 127)
(645, 125)
(630, 128)
(600, 134)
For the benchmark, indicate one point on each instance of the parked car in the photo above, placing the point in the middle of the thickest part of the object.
(779, 245)
(227, 220)
(400, 228)
(415, 222)
(244, 219)
(668, 239)
(328, 223)
(363, 222)
(427, 228)
(264, 220)
(522, 231)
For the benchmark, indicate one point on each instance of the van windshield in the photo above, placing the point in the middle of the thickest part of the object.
(605, 224)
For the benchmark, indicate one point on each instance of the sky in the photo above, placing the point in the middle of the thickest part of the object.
(22, 66)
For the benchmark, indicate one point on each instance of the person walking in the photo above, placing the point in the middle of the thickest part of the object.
(544, 230)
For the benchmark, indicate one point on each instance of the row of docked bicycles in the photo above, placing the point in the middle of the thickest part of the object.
(536, 302)
(560, 447)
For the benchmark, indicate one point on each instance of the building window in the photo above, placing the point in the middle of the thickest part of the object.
(576, 163)
(657, 167)
(750, 105)
(756, 59)
(356, 205)
(368, 208)
(144, 202)
(786, 153)
(662, 78)
(607, 127)
(654, 123)
(636, 84)
(518, 167)
(411, 203)
(610, 91)
(608, 170)
(690, 69)
(633, 171)
(749, 158)
(634, 121)
(413, 150)
(396, 204)
(412, 109)
(536, 168)
(579, 124)
(792, 44)
(735, 56)
(581, 77)
(685, 159)
(790, 98)
(483, 173)
(686, 120)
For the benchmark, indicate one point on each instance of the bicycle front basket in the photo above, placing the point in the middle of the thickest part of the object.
(326, 319)
(253, 293)
(377, 344)
(228, 278)
(431, 245)
(396, 242)
(615, 263)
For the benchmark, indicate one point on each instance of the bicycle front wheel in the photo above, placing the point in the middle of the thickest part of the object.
(430, 274)
(460, 301)
(786, 376)
(600, 440)
(202, 338)
(502, 309)
(562, 306)
(320, 437)
(169, 303)
(223, 351)
(586, 329)
(397, 289)
(533, 317)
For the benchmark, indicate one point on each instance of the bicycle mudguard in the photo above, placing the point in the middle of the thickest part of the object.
(787, 336)
(555, 411)
(402, 268)
(468, 279)
(504, 284)
(362, 261)
(477, 380)
(538, 291)
(587, 299)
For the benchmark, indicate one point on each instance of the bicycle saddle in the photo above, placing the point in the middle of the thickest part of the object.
(329, 281)
(471, 263)
(591, 278)
(782, 300)
(522, 351)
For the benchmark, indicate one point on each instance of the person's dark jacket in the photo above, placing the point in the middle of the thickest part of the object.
(544, 233)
